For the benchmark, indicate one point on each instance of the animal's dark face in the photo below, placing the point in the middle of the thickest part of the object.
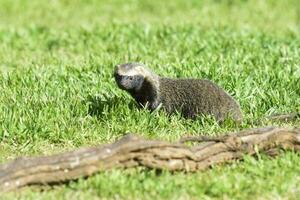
(129, 83)
(129, 76)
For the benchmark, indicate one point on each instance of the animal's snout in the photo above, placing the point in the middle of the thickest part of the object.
(121, 82)
(117, 76)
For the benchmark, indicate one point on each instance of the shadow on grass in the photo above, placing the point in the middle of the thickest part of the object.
(102, 104)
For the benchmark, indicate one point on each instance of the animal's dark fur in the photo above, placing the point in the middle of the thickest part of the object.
(191, 97)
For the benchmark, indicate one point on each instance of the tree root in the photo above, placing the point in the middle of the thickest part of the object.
(132, 151)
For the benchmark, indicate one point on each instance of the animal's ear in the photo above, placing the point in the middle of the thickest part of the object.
(142, 79)
(139, 81)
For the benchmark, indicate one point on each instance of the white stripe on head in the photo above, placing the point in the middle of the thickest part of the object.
(133, 70)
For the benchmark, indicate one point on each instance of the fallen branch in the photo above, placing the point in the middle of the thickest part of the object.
(131, 151)
(284, 117)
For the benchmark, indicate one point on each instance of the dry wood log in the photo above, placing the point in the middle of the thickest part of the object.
(288, 117)
(131, 151)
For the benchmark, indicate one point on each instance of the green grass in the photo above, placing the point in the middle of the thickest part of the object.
(58, 93)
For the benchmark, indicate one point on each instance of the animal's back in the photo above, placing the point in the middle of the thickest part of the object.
(194, 97)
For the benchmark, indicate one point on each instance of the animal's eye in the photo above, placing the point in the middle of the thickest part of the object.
(130, 78)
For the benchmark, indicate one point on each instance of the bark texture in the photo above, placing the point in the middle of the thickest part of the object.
(132, 151)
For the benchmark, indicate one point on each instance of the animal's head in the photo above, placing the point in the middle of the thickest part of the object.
(130, 76)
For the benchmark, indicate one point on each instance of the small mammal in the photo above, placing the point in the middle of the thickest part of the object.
(190, 97)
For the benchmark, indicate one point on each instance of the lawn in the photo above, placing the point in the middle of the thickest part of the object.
(58, 93)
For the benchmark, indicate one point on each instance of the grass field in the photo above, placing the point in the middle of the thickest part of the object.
(58, 93)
